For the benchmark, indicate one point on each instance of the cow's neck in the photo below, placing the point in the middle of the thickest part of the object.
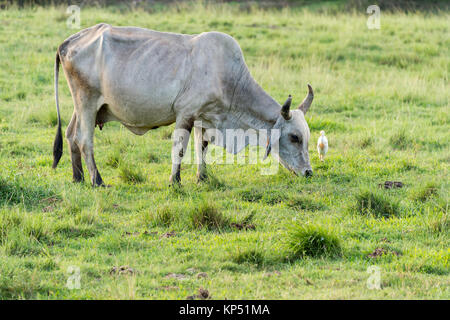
(253, 108)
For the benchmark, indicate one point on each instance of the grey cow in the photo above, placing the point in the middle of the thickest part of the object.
(146, 79)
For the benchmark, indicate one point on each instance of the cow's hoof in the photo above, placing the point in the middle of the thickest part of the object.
(101, 185)
(202, 178)
(175, 179)
(175, 184)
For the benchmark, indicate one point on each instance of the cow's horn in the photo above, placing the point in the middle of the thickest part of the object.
(285, 108)
(304, 106)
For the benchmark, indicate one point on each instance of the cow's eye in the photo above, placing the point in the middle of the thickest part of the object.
(294, 138)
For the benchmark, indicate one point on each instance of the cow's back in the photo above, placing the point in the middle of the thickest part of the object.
(147, 77)
(95, 50)
(138, 73)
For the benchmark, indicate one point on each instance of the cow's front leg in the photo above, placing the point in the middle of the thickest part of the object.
(201, 147)
(180, 139)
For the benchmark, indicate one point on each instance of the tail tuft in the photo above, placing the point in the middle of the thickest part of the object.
(58, 144)
(57, 147)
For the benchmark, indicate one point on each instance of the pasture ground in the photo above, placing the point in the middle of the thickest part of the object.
(382, 96)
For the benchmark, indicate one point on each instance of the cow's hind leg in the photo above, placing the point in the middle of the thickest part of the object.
(201, 147)
(180, 139)
(83, 136)
(86, 142)
(75, 153)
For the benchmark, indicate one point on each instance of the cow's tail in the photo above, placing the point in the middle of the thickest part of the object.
(58, 143)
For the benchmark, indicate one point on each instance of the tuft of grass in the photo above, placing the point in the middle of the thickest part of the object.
(163, 216)
(312, 241)
(212, 182)
(15, 192)
(21, 95)
(248, 218)
(407, 165)
(251, 195)
(20, 283)
(72, 230)
(206, 215)
(376, 204)
(441, 224)
(86, 218)
(270, 197)
(400, 140)
(215, 183)
(426, 192)
(300, 202)
(366, 142)
(114, 158)
(248, 256)
(22, 234)
(273, 197)
(70, 208)
(153, 158)
(130, 175)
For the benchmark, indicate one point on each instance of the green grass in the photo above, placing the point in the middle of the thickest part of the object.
(206, 215)
(249, 256)
(129, 174)
(400, 140)
(376, 204)
(306, 240)
(382, 96)
(425, 192)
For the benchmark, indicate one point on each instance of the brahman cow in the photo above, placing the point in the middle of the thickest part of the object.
(146, 79)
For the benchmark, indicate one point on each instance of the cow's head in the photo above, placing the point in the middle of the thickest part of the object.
(292, 146)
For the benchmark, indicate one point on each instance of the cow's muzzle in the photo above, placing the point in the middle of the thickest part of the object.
(307, 172)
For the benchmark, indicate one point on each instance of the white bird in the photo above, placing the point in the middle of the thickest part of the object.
(322, 145)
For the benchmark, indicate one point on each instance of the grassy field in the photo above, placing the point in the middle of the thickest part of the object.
(382, 96)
